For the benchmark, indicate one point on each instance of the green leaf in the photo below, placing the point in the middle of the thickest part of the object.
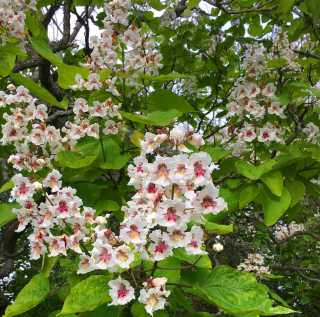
(164, 99)
(167, 77)
(137, 118)
(57, 312)
(7, 62)
(193, 3)
(75, 159)
(6, 186)
(138, 310)
(118, 163)
(181, 299)
(235, 292)
(286, 5)
(248, 194)
(71, 265)
(157, 5)
(87, 295)
(104, 311)
(66, 73)
(180, 253)
(217, 153)
(12, 49)
(136, 137)
(33, 25)
(305, 86)
(296, 190)
(278, 298)
(6, 213)
(163, 118)
(173, 276)
(35, 89)
(88, 192)
(274, 206)
(105, 205)
(252, 172)
(274, 181)
(220, 229)
(30, 296)
(311, 5)
(43, 49)
(277, 63)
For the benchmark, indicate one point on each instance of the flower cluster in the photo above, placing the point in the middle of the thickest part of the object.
(312, 132)
(284, 232)
(254, 263)
(284, 48)
(62, 210)
(26, 125)
(137, 54)
(84, 114)
(173, 191)
(12, 20)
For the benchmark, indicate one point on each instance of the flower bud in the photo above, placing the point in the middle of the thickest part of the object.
(161, 138)
(217, 247)
(196, 140)
(100, 220)
(86, 239)
(11, 87)
(37, 186)
(178, 133)
(41, 162)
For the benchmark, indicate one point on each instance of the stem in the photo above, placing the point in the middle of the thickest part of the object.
(55, 290)
(104, 155)
(181, 285)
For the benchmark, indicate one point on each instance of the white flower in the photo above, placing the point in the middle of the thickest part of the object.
(178, 133)
(121, 292)
(153, 298)
(53, 181)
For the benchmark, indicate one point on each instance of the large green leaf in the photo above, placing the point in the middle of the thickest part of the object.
(35, 89)
(274, 181)
(87, 295)
(220, 229)
(164, 118)
(217, 153)
(236, 293)
(253, 172)
(173, 276)
(30, 296)
(248, 194)
(116, 164)
(7, 186)
(104, 311)
(75, 159)
(296, 190)
(105, 205)
(274, 206)
(164, 99)
(180, 253)
(167, 77)
(286, 5)
(66, 73)
(6, 213)
(138, 310)
(7, 61)
(88, 192)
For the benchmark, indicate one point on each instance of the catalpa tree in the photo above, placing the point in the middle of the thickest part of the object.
(159, 158)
